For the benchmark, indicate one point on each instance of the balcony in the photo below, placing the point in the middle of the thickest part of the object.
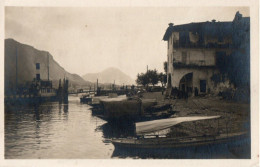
(193, 64)
(177, 44)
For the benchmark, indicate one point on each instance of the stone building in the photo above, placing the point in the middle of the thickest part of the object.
(196, 52)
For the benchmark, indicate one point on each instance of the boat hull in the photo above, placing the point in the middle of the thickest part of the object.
(158, 143)
(86, 100)
(238, 148)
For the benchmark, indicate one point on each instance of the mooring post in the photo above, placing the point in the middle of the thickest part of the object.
(16, 72)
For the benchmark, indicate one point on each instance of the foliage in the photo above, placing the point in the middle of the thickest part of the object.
(142, 79)
(163, 78)
(150, 77)
(153, 76)
(239, 71)
(235, 67)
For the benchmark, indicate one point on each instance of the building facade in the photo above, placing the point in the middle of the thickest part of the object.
(197, 52)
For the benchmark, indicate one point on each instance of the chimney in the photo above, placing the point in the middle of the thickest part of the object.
(170, 24)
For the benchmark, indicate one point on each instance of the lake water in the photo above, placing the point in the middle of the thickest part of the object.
(70, 131)
(55, 130)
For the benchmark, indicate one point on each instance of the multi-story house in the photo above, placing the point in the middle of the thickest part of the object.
(197, 51)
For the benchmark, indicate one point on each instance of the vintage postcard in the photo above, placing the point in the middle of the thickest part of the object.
(138, 83)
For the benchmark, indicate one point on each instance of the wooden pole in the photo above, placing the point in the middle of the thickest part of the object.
(16, 71)
(97, 86)
(48, 67)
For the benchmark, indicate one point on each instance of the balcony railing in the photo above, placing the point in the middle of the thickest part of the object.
(177, 44)
(194, 64)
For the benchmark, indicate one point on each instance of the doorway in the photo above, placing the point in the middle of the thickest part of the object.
(203, 86)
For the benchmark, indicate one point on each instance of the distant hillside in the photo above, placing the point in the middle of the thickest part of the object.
(27, 59)
(108, 76)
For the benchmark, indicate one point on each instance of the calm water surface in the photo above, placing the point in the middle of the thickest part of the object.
(64, 131)
(55, 130)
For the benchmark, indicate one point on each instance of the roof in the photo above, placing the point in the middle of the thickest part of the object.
(202, 28)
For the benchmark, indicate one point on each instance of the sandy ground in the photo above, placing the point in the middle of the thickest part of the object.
(235, 116)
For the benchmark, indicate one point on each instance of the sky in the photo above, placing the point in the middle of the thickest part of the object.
(91, 39)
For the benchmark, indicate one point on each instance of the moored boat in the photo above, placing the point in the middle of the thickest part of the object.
(144, 139)
(85, 99)
(191, 141)
(124, 108)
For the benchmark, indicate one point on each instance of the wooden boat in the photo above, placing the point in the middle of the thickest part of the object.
(86, 99)
(143, 128)
(125, 108)
(94, 100)
(164, 142)
(156, 142)
(116, 108)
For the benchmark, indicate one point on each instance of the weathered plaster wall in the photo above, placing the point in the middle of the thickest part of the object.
(196, 56)
(198, 74)
(194, 37)
(170, 58)
(212, 39)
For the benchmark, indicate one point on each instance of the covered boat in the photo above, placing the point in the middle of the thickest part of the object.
(157, 125)
(121, 107)
(125, 108)
(156, 142)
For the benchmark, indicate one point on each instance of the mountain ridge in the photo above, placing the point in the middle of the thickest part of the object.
(27, 57)
(109, 75)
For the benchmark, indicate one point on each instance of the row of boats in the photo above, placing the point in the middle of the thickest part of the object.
(119, 108)
(115, 108)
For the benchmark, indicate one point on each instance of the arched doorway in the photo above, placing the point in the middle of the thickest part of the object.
(186, 84)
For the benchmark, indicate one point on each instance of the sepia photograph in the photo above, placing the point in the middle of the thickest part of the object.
(127, 83)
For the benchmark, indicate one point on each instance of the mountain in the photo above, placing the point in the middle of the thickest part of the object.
(27, 57)
(108, 76)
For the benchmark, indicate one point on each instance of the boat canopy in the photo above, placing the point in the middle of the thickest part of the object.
(157, 125)
(113, 99)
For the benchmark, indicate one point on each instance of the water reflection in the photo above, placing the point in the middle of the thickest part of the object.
(117, 129)
(66, 107)
(54, 130)
(69, 130)
(36, 111)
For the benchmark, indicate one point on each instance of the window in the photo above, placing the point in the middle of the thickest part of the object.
(38, 77)
(37, 66)
(184, 57)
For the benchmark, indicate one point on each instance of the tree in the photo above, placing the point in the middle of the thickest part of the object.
(162, 78)
(150, 77)
(142, 79)
(153, 76)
